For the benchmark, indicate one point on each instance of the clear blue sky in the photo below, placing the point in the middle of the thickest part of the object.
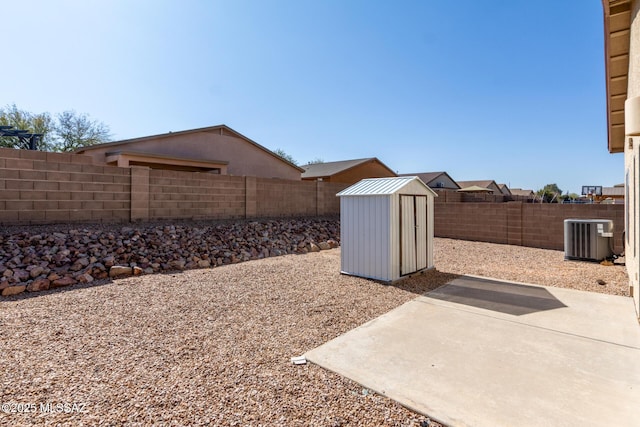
(507, 90)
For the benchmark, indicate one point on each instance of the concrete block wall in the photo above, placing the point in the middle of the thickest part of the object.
(485, 222)
(543, 224)
(452, 196)
(193, 195)
(328, 203)
(516, 223)
(279, 197)
(40, 188)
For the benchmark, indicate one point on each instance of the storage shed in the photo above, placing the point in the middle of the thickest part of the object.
(386, 228)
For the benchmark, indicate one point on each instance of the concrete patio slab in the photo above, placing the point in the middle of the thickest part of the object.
(482, 352)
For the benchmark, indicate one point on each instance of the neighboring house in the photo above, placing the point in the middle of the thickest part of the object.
(522, 193)
(475, 189)
(622, 56)
(613, 194)
(216, 149)
(488, 183)
(436, 180)
(504, 189)
(347, 171)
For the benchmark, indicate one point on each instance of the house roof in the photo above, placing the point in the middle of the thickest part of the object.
(521, 192)
(382, 186)
(613, 191)
(504, 189)
(221, 129)
(326, 169)
(427, 177)
(475, 189)
(482, 183)
(617, 24)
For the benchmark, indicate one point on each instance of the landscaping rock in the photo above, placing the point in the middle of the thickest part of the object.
(324, 246)
(85, 278)
(36, 271)
(53, 276)
(120, 270)
(39, 285)
(63, 281)
(21, 275)
(13, 290)
(64, 255)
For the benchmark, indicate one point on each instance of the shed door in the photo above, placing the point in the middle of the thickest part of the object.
(413, 234)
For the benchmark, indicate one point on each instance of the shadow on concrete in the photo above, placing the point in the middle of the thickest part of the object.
(424, 282)
(503, 297)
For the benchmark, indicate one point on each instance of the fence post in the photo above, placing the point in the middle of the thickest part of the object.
(514, 223)
(320, 205)
(251, 197)
(139, 193)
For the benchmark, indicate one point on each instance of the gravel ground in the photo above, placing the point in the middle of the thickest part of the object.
(529, 265)
(213, 346)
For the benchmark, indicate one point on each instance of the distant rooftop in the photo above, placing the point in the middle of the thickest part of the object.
(320, 170)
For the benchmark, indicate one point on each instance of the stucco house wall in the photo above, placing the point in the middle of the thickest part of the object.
(371, 169)
(622, 59)
(238, 155)
(632, 162)
(347, 171)
(446, 181)
(436, 180)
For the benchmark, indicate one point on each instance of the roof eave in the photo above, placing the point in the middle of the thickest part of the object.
(620, 54)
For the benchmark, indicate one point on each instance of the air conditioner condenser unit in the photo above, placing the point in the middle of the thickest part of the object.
(588, 239)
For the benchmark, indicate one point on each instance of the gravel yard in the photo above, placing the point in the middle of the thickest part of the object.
(213, 346)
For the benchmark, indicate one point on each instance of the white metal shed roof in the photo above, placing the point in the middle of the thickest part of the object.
(382, 186)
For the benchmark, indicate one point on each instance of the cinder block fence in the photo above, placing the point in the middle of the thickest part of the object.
(40, 188)
(524, 224)
(43, 188)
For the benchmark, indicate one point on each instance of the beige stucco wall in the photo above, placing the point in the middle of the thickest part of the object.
(448, 183)
(632, 161)
(495, 188)
(244, 158)
(371, 169)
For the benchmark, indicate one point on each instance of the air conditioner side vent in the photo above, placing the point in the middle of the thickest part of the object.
(587, 239)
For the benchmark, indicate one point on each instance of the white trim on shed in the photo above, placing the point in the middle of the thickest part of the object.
(386, 228)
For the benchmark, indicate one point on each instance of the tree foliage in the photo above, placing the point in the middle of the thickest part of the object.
(75, 131)
(34, 123)
(315, 161)
(550, 193)
(288, 157)
(69, 130)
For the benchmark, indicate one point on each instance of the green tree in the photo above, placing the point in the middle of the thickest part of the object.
(315, 161)
(569, 196)
(74, 131)
(550, 193)
(288, 157)
(69, 131)
(34, 123)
